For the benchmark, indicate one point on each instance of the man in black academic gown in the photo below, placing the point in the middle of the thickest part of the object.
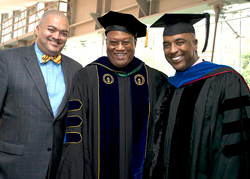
(110, 106)
(201, 125)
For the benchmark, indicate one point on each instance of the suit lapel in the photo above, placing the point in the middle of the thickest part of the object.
(33, 68)
(66, 66)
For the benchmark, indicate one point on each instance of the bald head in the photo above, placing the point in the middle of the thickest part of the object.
(52, 32)
(52, 13)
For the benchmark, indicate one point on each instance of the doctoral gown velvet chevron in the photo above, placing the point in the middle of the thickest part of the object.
(107, 123)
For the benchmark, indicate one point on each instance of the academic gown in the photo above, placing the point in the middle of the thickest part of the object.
(201, 126)
(107, 122)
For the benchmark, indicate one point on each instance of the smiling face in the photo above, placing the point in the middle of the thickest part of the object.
(181, 50)
(120, 48)
(52, 34)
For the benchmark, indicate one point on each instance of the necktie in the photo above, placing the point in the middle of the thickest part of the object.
(56, 59)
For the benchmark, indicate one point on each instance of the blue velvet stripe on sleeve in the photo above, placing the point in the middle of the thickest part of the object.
(73, 121)
(72, 138)
(74, 105)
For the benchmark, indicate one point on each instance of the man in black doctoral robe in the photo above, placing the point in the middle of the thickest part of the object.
(110, 106)
(201, 126)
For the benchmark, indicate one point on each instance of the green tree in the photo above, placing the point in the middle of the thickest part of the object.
(246, 67)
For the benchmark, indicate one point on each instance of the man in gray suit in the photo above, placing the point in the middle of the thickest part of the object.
(33, 96)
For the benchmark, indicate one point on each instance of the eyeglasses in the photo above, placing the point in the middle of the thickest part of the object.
(115, 43)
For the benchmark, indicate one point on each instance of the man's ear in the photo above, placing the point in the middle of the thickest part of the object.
(37, 29)
(135, 41)
(195, 44)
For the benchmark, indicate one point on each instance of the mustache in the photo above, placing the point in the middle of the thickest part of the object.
(58, 41)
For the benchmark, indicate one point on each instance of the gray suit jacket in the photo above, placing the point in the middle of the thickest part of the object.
(31, 138)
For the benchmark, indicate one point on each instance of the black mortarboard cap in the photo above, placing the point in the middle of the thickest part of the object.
(182, 23)
(115, 21)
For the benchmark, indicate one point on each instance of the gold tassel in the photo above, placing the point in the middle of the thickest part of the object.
(146, 40)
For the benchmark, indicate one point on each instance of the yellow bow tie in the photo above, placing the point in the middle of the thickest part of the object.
(56, 59)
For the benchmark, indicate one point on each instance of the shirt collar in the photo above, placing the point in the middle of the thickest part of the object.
(39, 53)
(198, 61)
